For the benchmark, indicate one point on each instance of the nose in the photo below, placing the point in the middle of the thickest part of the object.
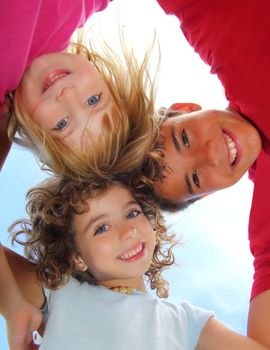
(210, 154)
(126, 231)
(65, 92)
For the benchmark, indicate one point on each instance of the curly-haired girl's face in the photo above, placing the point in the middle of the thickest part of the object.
(114, 239)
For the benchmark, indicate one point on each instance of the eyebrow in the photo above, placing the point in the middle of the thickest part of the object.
(131, 202)
(177, 148)
(105, 216)
(188, 183)
(175, 141)
(68, 133)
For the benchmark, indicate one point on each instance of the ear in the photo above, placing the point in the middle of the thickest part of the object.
(186, 106)
(79, 263)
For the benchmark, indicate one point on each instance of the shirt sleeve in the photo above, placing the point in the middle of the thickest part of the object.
(193, 320)
(171, 7)
(259, 227)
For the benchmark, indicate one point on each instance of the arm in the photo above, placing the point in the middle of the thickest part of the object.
(18, 293)
(259, 236)
(259, 318)
(26, 277)
(217, 336)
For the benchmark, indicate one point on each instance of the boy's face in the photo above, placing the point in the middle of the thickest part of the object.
(65, 95)
(114, 238)
(205, 151)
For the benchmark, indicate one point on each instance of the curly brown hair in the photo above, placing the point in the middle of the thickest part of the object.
(49, 241)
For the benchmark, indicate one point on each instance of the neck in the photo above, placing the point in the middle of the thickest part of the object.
(137, 284)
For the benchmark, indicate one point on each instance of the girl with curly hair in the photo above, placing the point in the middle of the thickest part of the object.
(101, 242)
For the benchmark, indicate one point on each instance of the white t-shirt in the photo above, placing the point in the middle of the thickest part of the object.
(85, 317)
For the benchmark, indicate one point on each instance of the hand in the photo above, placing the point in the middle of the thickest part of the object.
(7, 106)
(20, 326)
(5, 143)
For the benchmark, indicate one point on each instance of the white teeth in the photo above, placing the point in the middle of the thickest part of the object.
(231, 147)
(54, 78)
(131, 253)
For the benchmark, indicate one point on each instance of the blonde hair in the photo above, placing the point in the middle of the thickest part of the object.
(50, 231)
(127, 137)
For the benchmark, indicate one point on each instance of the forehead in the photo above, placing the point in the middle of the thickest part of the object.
(110, 194)
(172, 187)
(107, 201)
(195, 118)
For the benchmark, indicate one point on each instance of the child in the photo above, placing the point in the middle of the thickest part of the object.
(79, 111)
(111, 237)
(218, 147)
(84, 113)
(232, 38)
(30, 29)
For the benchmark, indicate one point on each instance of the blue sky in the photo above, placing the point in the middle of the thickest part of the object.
(214, 264)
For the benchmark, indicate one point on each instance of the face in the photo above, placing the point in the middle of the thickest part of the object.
(114, 239)
(205, 151)
(65, 94)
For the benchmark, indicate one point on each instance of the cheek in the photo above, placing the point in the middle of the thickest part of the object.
(88, 75)
(203, 131)
(148, 229)
(153, 240)
(103, 250)
(31, 102)
(216, 182)
(42, 119)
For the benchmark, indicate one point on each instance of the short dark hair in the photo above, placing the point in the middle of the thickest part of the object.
(171, 206)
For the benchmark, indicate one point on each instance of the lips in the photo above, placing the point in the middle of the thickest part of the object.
(133, 254)
(53, 77)
(233, 147)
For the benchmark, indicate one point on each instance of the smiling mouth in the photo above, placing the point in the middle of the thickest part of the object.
(232, 148)
(53, 77)
(133, 254)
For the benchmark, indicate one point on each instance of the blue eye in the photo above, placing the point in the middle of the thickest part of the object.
(61, 124)
(101, 229)
(93, 100)
(133, 213)
(185, 139)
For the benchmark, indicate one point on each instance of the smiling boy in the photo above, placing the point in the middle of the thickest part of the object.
(233, 38)
(205, 151)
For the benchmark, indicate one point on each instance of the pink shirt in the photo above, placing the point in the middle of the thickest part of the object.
(31, 28)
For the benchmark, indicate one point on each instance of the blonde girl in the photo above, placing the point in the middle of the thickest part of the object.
(82, 112)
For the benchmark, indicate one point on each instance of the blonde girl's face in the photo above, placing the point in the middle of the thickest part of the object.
(114, 238)
(65, 95)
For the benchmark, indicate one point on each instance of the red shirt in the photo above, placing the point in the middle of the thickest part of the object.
(233, 38)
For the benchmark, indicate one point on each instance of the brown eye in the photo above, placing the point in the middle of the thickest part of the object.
(185, 139)
(195, 179)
